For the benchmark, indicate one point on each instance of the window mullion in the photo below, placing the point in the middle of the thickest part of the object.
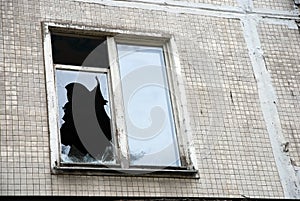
(120, 127)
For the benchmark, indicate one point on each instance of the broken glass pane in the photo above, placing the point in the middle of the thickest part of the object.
(79, 51)
(84, 117)
(148, 111)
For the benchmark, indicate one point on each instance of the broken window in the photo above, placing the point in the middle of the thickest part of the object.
(114, 103)
(84, 116)
(83, 99)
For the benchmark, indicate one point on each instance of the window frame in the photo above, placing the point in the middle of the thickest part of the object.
(175, 85)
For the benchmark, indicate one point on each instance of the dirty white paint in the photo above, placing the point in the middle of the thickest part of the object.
(246, 5)
(183, 119)
(118, 103)
(184, 7)
(268, 101)
(291, 24)
(51, 98)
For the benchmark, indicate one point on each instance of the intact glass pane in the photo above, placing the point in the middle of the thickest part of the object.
(84, 117)
(148, 111)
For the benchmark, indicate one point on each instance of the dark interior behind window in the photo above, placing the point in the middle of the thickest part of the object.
(79, 51)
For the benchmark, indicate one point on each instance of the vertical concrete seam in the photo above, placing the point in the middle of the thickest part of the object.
(268, 100)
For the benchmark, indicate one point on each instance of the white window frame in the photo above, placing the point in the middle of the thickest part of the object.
(175, 82)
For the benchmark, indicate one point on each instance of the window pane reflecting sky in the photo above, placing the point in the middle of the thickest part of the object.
(148, 111)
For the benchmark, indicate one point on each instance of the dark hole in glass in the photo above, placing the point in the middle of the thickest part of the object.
(86, 123)
(79, 51)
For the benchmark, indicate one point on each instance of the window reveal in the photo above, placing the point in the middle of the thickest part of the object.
(114, 103)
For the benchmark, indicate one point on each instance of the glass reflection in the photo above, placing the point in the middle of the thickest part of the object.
(148, 112)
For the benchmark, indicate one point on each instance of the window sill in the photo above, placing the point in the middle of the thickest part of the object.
(117, 171)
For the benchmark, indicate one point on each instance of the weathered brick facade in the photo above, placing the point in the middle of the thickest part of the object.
(240, 63)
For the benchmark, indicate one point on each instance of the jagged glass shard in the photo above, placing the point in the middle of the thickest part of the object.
(84, 114)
